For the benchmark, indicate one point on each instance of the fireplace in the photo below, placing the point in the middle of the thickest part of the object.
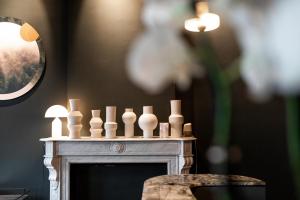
(111, 181)
(65, 158)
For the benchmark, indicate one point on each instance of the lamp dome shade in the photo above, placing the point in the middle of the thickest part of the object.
(56, 111)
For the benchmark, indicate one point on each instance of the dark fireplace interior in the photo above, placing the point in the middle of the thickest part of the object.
(111, 181)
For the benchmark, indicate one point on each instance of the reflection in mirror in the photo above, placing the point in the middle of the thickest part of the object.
(22, 58)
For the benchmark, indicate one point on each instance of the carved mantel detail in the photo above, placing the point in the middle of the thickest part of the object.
(186, 158)
(117, 147)
(61, 153)
(52, 163)
(185, 163)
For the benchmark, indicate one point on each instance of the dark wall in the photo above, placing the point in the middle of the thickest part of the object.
(100, 34)
(258, 135)
(260, 132)
(22, 122)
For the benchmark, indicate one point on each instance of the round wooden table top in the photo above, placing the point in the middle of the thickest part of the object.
(179, 186)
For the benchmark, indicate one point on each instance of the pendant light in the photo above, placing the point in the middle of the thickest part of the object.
(205, 21)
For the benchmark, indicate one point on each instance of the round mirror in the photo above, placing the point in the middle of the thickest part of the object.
(22, 58)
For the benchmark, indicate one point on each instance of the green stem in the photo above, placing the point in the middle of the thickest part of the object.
(292, 110)
(223, 111)
(221, 86)
(232, 72)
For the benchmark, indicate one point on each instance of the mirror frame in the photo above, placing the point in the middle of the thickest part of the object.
(37, 76)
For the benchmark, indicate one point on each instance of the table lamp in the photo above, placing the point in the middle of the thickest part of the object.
(55, 112)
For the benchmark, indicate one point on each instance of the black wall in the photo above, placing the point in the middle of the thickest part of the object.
(22, 121)
(86, 43)
(100, 33)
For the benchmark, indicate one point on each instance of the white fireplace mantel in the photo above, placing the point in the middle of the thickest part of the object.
(60, 153)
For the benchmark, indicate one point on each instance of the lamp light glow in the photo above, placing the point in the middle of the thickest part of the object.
(55, 112)
(205, 21)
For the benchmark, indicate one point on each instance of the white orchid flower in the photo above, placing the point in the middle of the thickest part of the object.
(269, 39)
(159, 56)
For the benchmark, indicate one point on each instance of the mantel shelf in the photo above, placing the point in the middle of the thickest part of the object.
(120, 138)
(61, 153)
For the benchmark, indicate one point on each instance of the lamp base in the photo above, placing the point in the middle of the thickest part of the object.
(56, 128)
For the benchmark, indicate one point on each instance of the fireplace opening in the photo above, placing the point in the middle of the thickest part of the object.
(111, 181)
